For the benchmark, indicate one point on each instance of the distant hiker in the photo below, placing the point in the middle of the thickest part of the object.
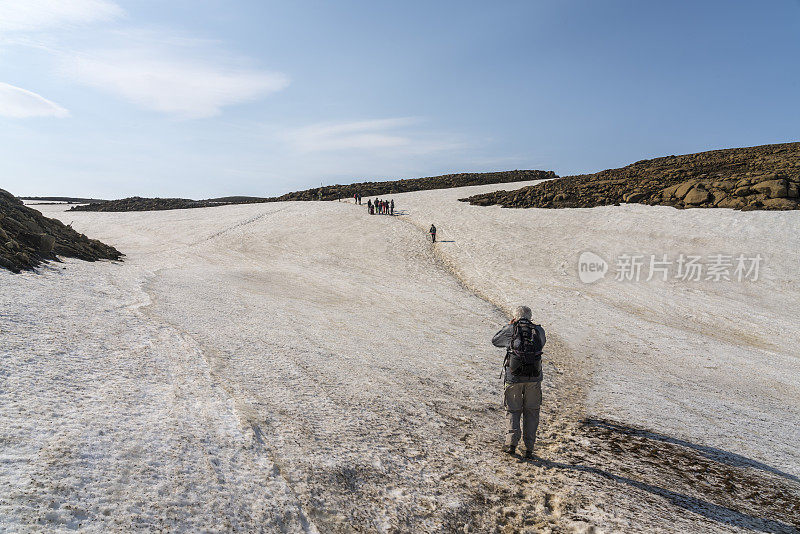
(369, 207)
(522, 370)
(432, 231)
(391, 207)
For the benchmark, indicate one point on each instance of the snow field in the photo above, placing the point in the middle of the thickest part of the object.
(306, 366)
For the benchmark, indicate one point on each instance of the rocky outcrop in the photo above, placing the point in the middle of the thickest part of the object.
(160, 204)
(447, 181)
(62, 200)
(28, 238)
(765, 177)
(328, 192)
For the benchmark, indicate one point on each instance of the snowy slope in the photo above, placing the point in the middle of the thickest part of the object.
(305, 366)
(715, 361)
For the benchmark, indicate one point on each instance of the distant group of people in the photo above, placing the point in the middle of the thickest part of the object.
(380, 207)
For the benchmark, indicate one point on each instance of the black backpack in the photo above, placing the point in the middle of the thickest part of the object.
(525, 350)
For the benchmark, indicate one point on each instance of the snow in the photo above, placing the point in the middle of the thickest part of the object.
(308, 367)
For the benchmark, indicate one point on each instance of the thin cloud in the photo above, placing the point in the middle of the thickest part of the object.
(19, 103)
(359, 135)
(186, 88)
(37, 15)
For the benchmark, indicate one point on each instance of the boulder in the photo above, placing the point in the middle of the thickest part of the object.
(46, 243)
(743, 191)
(684, 188)
(773, 188)
(669, 192)
(730, 202)
(633, 197)
(696, 197)
(780, 204)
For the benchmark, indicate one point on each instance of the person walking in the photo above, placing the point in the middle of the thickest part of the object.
(432, 231)
(522, 370)
(391, 207)
(369, 207)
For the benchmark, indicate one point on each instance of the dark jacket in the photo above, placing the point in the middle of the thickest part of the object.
(503, 339)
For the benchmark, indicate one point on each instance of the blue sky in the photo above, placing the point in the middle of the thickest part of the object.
(111, 98)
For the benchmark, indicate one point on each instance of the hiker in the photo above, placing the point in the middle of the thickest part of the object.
(391, 207)
(522, 370)
(369, 207)
(432, 231)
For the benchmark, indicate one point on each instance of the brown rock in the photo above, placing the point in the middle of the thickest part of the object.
(633, 197)
(669, 192)
(730, 202)
(46, 243)
(696, 196)
(684, 188)
(773, 188)
(780, 204)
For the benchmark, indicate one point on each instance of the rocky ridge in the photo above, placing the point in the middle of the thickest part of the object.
(28, 238)
(764, 177)
(446, 181)
(329, 192)
(160, 204)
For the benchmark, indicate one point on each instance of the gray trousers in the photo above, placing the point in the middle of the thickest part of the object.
(522, 401)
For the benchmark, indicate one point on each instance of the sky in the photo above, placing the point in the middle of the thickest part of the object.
(206, 98)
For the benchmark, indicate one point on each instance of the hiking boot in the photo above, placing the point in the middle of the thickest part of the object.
(509, 450)
(529, 454)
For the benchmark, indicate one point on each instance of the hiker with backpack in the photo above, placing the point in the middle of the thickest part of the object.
(522, 370)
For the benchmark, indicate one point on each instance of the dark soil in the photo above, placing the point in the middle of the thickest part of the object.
(765, 177)
(28, 238)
